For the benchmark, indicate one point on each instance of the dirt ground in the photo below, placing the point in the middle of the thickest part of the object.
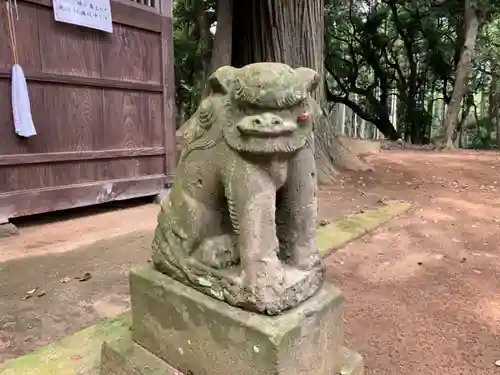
(422, 292)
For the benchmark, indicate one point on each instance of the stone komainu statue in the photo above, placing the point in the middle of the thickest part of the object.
(239, 223)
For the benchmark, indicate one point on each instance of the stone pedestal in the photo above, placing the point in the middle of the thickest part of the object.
(178, 330)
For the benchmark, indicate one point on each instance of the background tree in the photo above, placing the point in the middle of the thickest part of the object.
(390, 63)
(485, 75)
(291, 32)
(410, 50)
(193, 43)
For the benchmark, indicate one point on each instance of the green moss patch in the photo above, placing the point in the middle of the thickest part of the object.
(339, 233)
(78, 354)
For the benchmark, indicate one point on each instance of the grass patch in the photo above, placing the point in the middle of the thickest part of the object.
(339, 233)
(78, 354)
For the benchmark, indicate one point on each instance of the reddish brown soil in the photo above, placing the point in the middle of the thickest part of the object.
(422, 292)
(63, 231)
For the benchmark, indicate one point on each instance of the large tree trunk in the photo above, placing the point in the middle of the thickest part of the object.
(291, 32)
(222, 50)
(458, 141)
(269, 30)
(462, 76)
(493, 105)
(203, 25)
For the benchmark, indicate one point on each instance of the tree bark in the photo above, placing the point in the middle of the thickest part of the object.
(493, 103)
(203, 25)
(291, 32)
(223, 41)
(222, 50)
(462, 75)
(458, 141)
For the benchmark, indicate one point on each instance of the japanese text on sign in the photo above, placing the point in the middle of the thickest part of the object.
(95, 14)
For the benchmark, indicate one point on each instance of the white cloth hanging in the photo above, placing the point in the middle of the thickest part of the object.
(21, 108)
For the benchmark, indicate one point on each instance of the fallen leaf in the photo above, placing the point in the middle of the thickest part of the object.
(86, 276)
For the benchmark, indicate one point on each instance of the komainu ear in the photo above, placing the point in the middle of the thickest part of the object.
(220, 80)
(310, 77)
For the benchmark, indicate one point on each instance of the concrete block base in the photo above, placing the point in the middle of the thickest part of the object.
(201, 335)
(124, 357)
(177, 327)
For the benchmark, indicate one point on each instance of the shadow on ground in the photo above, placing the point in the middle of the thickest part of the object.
(68, 305)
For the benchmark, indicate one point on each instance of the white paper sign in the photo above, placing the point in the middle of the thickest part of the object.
(95, 14)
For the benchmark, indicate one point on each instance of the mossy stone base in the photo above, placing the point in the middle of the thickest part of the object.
(124, 357)
(200, 335)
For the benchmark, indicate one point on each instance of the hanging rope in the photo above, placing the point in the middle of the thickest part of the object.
(12, 26)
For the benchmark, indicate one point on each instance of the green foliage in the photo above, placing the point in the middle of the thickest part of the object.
(409, 49)
(189, 54)
(480, 134)
(375, 50)
(482, 142)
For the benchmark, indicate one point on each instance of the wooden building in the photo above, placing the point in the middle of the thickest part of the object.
(102, 105)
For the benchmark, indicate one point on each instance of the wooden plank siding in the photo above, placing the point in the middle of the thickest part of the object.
(102, 105)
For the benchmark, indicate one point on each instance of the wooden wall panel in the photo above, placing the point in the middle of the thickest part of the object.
(66, 118)
(74, 116)
(39, 176)
(102, 105)
(10, 142)
(132, 119)
(27, 38)
(132, 54)
(68, 49)
(69, 118)
(29, 202)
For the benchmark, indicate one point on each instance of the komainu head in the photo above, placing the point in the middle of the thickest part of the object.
(269, 106)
